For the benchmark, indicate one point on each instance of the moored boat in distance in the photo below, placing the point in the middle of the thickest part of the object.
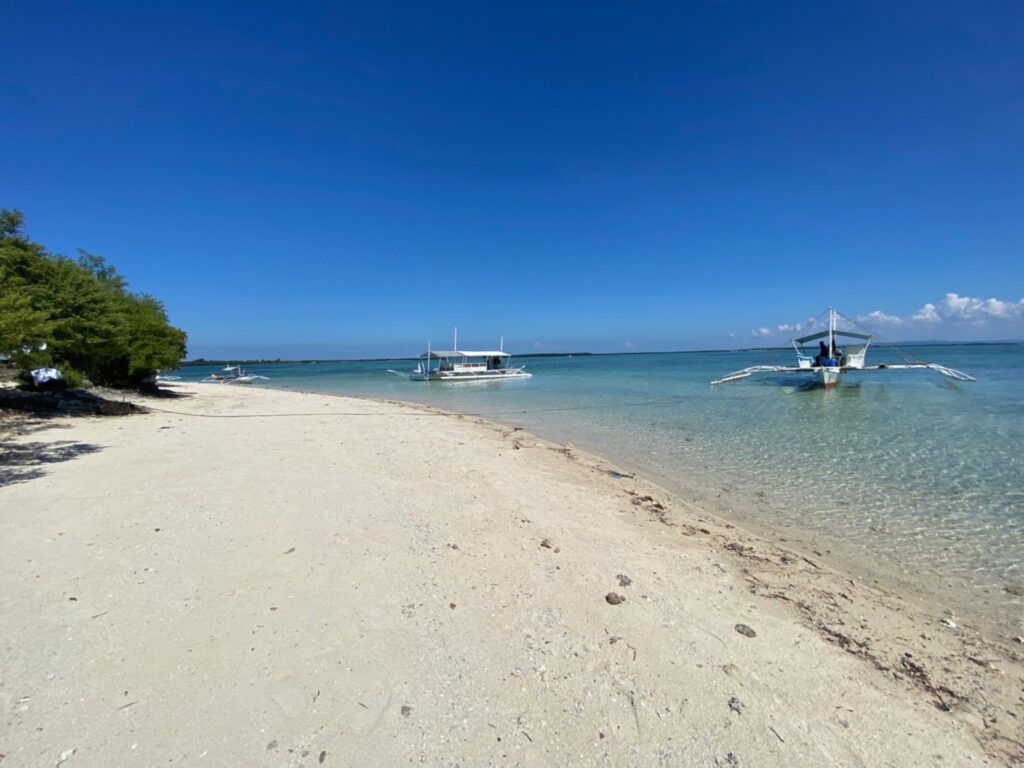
(459, 365)
(832, 361)
(234, 374)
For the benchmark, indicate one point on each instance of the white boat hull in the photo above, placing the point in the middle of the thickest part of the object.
(453, 377)
(456, 366)
(829, 376)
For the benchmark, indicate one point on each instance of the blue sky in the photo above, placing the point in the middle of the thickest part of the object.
(300, 180)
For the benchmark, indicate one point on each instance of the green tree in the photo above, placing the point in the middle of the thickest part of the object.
(11, 223)
(83, 311)
(153, 343)
(23, 327)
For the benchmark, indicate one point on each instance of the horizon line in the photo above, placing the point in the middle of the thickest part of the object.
(258, 360)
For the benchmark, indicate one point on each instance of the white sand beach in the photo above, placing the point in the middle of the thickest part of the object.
(258, 577)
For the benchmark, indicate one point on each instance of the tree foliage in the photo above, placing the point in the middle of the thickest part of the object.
(81, 311)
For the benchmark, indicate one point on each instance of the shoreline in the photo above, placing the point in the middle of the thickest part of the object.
(925, 585)
(955, 597)
(883, 575)
(952, 681)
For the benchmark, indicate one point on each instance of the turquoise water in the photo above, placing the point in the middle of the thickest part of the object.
(906, 466)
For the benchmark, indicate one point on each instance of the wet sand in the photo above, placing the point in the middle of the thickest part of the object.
(274, 578)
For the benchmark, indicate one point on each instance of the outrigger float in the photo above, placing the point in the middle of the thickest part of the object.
(832, 362)
(455, 365)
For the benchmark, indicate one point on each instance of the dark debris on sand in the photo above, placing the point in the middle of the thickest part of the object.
(746, 631)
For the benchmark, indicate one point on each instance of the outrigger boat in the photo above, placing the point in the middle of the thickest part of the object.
(458, 365)
(832, 362)
(234, 374)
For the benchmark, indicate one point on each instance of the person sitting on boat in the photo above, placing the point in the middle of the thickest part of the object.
(822, 354)
(837, 353)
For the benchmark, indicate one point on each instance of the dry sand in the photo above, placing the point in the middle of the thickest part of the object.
(335, 581)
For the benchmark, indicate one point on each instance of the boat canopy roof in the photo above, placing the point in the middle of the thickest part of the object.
(464, 353)
(824, 335)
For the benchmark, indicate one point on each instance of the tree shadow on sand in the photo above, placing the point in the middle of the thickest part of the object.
(68, 402)
(23, 413)
(21, 462)
(24, 461)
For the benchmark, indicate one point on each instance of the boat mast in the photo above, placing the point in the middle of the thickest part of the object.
(831, 331)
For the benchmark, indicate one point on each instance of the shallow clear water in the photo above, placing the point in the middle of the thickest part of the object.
(921, 470)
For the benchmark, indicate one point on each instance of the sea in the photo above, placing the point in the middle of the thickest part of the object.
(901, 475)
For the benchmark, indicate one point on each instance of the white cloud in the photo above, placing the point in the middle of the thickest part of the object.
(957, 308)
(953, 308)
(927, 314)
(629, 345)
(538, 345)
(878, 317)
(798, 327)
(785, 328)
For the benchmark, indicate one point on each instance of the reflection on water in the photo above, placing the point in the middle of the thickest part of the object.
(906, 464)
